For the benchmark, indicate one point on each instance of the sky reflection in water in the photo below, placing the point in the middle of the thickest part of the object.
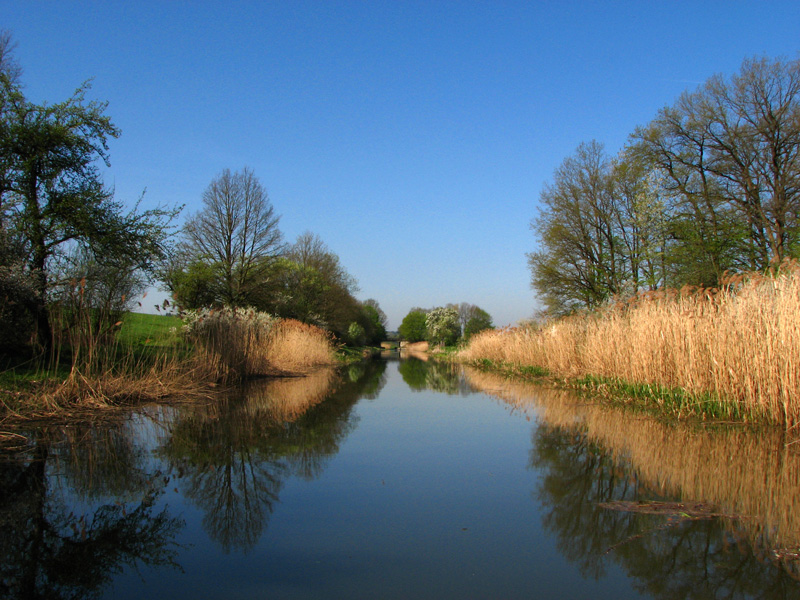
(396, 479)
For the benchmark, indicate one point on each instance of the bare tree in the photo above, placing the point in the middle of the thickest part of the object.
(9, 66)
(578, 264)
(734, 145)
(236, 233)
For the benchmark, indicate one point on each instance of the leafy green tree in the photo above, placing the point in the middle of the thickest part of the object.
(413, 328)
(315, 288)
(53, 195)
(376, 321)
(478, 321)
(356, 334)
(443, 326)
(193, 285)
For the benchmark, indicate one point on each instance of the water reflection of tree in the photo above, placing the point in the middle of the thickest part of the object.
(102, 461)
(234, 457)
(439, 376)
(369, 377)
(667, 559)
(47, 551)
(578, 476)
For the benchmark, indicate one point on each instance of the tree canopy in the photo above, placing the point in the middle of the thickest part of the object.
(413, 328)
(52, 196)
(443, 326)
(709, 186)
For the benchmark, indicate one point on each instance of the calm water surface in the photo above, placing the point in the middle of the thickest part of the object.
(399, 479)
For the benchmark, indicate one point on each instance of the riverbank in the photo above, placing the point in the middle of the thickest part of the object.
(153, 358)
(731, 353)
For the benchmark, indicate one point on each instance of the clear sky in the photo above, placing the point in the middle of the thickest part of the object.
(413, 137)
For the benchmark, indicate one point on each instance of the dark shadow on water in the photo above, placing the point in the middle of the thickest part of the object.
(79, 505)
(51, 549)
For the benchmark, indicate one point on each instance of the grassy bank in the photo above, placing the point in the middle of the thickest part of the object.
(147, 358)
(732, 353)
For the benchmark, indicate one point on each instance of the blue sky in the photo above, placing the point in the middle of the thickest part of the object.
(413, 137)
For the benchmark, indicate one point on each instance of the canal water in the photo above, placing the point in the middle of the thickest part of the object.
(399, 479)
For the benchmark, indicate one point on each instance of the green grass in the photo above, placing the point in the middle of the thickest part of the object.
(653, 399)
(511, 369)
(159, 331)
(674, 401)
(141, 337)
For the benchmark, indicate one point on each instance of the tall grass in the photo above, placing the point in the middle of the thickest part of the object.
(99, 360)
(737, 347)
(233, 344)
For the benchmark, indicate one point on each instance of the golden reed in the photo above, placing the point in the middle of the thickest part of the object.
(232, 344)
(739, 344)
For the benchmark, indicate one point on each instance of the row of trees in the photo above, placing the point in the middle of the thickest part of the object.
(232, 253)
(711, 185)
(444, 325)
(67, 243)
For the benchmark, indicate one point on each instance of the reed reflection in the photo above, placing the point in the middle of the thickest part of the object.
(51, 549)
(233, 458)
(593, 455)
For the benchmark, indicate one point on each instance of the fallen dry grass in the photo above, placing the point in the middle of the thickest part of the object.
(88, 395)
(739, 344)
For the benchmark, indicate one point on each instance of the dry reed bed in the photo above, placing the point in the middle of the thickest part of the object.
(229, 345)
(82, 395)
(233, 344)
(748, 473)
(739, 344)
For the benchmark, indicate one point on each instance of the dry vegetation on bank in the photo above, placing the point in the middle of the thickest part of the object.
(735, 350)
(136, 364)
(240, 343)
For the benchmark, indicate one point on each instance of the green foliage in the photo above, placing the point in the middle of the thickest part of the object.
(511, 369)
(315, 288)
(443, 326)
(53, 194)
(479, 321)
(709, 186)
(195, 285)
(356, 334)
(376, 321)
(413, 328)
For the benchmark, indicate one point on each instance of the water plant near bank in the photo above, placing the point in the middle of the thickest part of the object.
(734, 350)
